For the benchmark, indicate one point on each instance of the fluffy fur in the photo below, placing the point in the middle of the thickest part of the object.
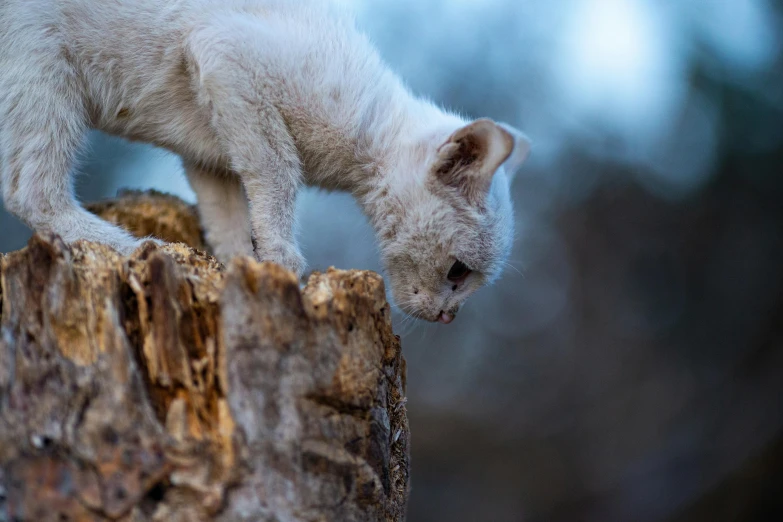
(258, 98)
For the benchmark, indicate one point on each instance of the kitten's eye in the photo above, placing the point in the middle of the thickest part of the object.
(458, 272)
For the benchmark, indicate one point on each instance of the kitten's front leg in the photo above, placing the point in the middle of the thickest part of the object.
(271, 174)
(230, 83)
(223, 208)
(271, 193)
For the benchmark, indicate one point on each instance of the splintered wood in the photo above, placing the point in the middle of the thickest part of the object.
(165, 387)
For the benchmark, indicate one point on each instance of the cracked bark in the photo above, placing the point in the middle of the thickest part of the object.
(167, 387)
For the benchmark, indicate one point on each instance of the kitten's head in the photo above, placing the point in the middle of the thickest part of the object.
(449, 224)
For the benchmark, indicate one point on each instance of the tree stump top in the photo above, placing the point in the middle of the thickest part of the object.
(165, 386)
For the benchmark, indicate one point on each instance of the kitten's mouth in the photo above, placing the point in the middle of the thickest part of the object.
(445, 318)
(441, 317)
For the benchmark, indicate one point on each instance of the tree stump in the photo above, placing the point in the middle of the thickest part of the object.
(167, 387)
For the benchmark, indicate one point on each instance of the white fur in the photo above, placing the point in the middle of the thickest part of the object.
(258, 98)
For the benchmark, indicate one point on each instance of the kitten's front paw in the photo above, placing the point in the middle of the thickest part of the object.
(128, 247)
(284, 255)
(153, 240)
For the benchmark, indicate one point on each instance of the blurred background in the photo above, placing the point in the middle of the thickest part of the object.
(629, 365)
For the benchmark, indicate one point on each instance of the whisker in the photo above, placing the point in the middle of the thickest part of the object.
(515, 269)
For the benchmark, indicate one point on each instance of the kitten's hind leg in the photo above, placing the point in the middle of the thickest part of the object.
(42, 129)
(223, 208)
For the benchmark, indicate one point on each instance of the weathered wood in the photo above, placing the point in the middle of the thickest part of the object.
(166, 387)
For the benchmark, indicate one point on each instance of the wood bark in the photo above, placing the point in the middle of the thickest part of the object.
(167, 387)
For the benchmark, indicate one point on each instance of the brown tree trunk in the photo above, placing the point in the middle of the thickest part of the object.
(166, 387)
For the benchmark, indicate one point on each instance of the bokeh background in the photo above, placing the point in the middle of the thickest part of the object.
(629, 365)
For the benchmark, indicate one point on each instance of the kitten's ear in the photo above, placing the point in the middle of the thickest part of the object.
(520, 153)
(469, 158)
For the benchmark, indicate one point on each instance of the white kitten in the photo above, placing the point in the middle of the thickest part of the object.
(258, 98)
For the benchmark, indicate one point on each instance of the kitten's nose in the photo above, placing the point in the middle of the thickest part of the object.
(445, 318)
